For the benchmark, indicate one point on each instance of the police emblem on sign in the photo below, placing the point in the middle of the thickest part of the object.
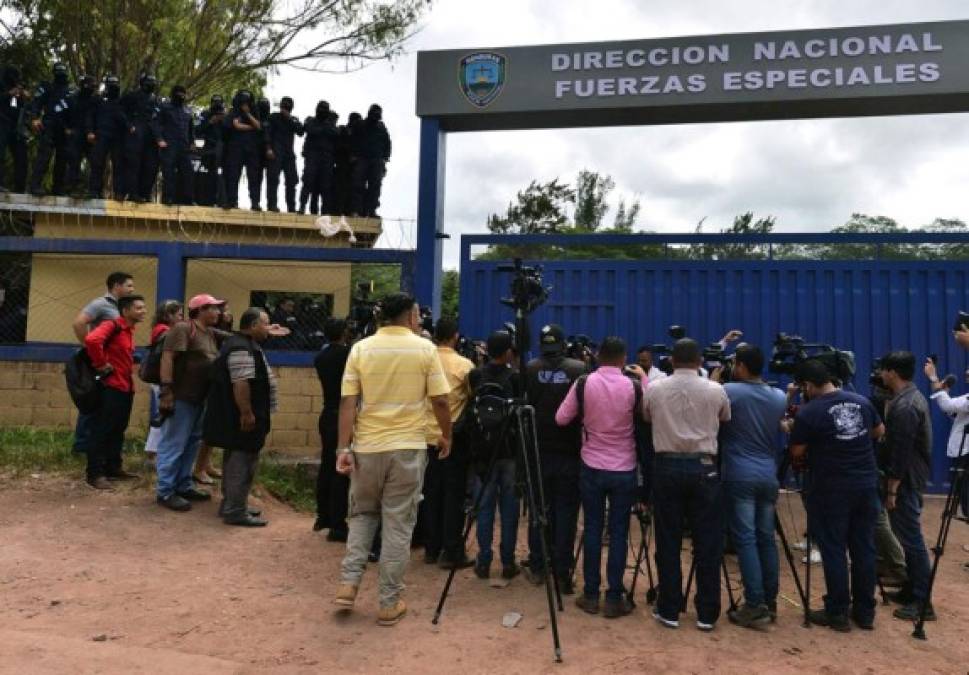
(482, 77)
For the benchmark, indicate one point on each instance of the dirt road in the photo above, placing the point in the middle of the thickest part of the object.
(111, 583)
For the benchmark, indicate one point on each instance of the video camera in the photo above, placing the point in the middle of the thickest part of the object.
(790, 351)
(527, 289)
(580, 347)
(663, 354)
(713, 358)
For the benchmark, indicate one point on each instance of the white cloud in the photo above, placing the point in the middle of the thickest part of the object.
(810, 174)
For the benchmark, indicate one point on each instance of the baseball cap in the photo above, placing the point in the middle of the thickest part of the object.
(499, 342)
(203, 300)
(552, 339)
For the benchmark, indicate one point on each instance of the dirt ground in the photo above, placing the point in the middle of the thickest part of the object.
(111, 583)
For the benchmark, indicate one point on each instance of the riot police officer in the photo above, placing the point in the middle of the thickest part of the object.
(177, 140)
(13, 108)
(283, 128)
(343, 169)
(318, 152)
(82, 111)
(370, 165)
(141, 144)
(212, 131)
(110, 129)
(49, 120)
(245, 147)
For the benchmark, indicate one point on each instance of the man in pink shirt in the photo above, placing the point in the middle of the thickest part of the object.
(607, 408)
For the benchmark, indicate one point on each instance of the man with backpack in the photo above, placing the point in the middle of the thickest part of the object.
(496, 379)
(610, 403)
(190, 348)
(111, 348)
(548, 380)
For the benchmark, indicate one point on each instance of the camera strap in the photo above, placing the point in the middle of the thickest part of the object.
(580, 399)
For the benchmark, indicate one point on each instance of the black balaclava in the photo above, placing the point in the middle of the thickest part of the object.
(286, 104)
(263, 106)
(375, 113)
(322, 110)
(148, 83)
(60, 74)
(87, 85)
(217, 104)
(178, 95)
(112, 87)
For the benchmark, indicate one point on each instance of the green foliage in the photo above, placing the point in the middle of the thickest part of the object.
(591, 191)
(385, 278)
(210, 46)
(25, 450)
(450, 290)
(294, 484)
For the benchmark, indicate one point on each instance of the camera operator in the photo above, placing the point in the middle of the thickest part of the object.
(644, 357)
(445, 479)
(834, 429)
(908, 441)
(748, 451)
(686, 411)
(548, 379)
(958, 409)
(499, 488)
(607, 409)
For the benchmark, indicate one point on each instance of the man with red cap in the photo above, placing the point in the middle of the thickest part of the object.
(189, 351)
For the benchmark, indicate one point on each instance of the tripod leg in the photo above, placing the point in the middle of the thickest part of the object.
(807, 581)
(631, 595)
(651, 592)
(689, 584)
(790, 560)
(726, 580)
(575, 558)
(948, 511)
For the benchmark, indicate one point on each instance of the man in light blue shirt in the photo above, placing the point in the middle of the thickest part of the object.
(749, 446)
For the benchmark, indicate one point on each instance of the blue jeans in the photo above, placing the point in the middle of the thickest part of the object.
(750, 510)
(844, 522)
(179, 444)
(498, 492)
(84, 432)
(688, 491)
(619, 488)
(906, 525)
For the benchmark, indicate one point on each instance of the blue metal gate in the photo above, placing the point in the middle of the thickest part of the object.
(868, 306)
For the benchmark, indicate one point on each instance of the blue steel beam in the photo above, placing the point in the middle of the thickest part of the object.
(430, 215)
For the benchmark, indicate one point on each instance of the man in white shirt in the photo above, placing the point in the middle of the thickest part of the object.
(958, 409)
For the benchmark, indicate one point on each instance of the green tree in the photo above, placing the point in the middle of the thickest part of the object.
(210, 46)
(450, 292)
(591, 191)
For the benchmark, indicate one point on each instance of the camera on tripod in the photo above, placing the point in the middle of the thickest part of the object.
(580, 347)
(714, 357)
(527, 290)
(663, 354)
(790, 351)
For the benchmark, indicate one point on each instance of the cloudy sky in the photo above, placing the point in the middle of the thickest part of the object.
(811, 175)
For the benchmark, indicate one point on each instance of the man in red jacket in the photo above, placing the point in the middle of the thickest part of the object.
(111, 348)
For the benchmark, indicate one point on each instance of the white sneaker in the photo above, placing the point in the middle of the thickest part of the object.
(705, 627)
(815, 557)
(669, 623)
(799, 546)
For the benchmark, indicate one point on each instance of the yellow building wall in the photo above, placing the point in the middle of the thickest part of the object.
(61, 285)
(234, 280)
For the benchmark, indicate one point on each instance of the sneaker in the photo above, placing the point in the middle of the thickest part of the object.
(613, 609)
(669, 623)
(566, 587)
(705, 626)
(389, 616)
(863, 623)
(510, 571)
(911, 612)
(772, 610)
(246, 521)
(123, 475)
(319, 524)
(337, 535)
(799, 545)
(901, 597)
(482, 570)
(174, 502)
(346, 595)
(431, 558)
(588, 604)
(815, 557)
(534, 577)
(195, 495)
(100, 483)
(750, 616)
(820, 617)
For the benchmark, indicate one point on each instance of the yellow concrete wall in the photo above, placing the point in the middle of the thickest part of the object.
(233, 280)
(61, 285)
(34, 395)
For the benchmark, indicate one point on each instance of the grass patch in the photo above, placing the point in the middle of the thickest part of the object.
(294, 484)
(25, 450)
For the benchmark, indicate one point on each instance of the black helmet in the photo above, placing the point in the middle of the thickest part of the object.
(88, 83)
(112, 86)
(286, 103)
(375, 112)
(263, 107)
(178, 93)
(148, 82)
(217, 104)
(242, 96)
(322, 110)
(60, 73)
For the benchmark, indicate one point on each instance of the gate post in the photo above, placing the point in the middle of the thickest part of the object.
(430, 215)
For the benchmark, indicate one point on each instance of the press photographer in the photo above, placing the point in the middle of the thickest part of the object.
(958, 409)
(908, 441)
(833, 435)
(547, 383)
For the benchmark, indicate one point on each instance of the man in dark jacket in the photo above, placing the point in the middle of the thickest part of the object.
(548, 379)
(332, 488)
(283, 128)
(908, 441)
(82, 108)
(318, 154)
(49, 121)
(245, 148)
(210, 128)
(240, 401)
(176, 143)
(343, 164)
(370, 165)
(110, 129)
(13, 105)
(141, 108)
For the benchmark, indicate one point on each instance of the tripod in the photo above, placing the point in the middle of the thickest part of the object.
(956, 485)
(644, 523)
(726, 580)
(524, 419)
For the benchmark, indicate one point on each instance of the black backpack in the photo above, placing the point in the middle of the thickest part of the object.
(149, 370)
(489, 417)
(83, 382)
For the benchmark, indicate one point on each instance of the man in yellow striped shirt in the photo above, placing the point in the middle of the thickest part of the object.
(388, 379)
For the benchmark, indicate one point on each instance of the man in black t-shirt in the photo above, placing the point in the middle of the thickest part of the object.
(835, 430)
(332, 488)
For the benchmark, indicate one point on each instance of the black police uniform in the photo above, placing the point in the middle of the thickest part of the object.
(177, 126)
(282, 133)
(82, 109)
(318, 159)
(50, 106)
(13, 111)
(370, 166)
(244, 148)
(141, 143)
(343, 165)
(110, 131)
(211, 190)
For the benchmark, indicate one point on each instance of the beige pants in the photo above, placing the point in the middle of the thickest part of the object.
(385, 489)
